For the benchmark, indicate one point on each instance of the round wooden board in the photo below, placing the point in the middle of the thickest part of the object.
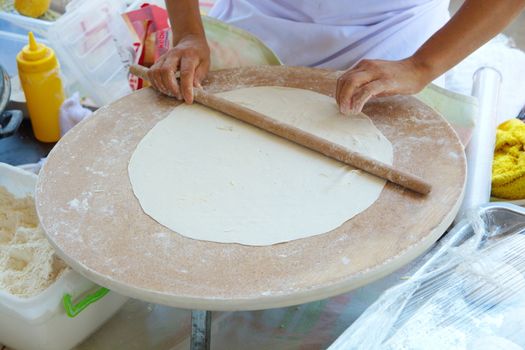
(91, 216)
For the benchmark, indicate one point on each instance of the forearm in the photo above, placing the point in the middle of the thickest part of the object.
(185, 18)
(476, 22)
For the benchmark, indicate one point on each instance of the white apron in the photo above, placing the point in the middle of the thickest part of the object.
(336, 33)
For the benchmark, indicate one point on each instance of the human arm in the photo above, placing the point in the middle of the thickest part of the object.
(476, 22)
(190, 54)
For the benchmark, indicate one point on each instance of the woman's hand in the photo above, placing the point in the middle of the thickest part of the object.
(191, 56)
(371, 78)
(473, 25)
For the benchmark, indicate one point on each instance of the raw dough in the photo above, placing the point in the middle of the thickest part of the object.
(208, 176)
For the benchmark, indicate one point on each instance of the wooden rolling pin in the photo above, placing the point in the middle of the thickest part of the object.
(303, 138)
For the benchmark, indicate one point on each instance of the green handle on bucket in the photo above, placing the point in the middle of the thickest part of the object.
(74, 310)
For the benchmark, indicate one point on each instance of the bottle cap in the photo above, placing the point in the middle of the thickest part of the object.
(33, 51)
(36, 57)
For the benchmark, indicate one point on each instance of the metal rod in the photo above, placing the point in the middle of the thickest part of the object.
(480, 150)
(200, 330)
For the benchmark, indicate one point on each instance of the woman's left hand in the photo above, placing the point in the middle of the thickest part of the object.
(371, 78)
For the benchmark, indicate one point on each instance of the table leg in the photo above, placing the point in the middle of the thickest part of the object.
(200, 330)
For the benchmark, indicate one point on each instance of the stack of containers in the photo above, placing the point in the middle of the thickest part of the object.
(95, 47)
(92, 43)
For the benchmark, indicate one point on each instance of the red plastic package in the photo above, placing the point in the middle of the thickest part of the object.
(151, 30)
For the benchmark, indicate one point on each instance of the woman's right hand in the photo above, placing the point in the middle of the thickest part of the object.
(191, 56)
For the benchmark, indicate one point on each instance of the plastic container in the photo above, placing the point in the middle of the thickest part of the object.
(11, 44)
(12, 39)
(22, 24)
(40, 322)
(94, 45)
(39, 74)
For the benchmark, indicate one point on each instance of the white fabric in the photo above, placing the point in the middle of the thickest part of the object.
(72, 113)
(336, 33)
(208, 176)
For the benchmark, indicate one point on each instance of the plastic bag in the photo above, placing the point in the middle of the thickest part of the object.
(467, 296)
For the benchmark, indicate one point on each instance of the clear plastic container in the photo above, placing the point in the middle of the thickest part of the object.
(13, 37)
(11, 44)
(94, 46)
(40, 322)
(22, 24)
(12, 40)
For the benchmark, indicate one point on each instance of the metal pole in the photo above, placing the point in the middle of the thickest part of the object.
(200, 330)
(480, 150)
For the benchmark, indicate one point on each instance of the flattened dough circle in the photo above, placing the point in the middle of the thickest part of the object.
(210, 177)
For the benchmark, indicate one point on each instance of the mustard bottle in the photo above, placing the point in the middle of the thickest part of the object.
(39, 74)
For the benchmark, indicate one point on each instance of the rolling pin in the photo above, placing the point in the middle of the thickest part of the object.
(303, 138)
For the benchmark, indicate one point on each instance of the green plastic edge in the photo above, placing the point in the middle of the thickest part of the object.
(458, 109)
(73, 310)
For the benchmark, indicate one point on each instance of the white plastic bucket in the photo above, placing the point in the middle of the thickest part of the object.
(40, 322)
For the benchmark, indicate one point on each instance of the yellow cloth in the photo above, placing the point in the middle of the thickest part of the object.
(508, 169)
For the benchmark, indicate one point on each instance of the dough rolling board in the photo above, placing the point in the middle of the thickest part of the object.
(91, 216)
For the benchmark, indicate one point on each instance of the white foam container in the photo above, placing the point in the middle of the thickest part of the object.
(40, 322)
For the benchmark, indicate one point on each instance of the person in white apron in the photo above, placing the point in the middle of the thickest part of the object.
(387, 47)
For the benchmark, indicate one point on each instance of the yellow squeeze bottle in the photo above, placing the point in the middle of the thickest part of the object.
(39, 74)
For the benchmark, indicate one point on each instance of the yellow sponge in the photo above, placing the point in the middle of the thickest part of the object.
(508, 169)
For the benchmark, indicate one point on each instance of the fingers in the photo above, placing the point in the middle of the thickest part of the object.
(193, 70)
(190, 56)
(200, 73)
(162, 74)
(342, 78)
(379, 78)
(169, 78)
(154, 75)
(364, 93)
(347, 85)
(187, 74)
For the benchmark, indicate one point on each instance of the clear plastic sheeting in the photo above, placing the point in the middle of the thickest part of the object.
(470, 293)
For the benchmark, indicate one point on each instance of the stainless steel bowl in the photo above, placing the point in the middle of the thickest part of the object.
(9, 120)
